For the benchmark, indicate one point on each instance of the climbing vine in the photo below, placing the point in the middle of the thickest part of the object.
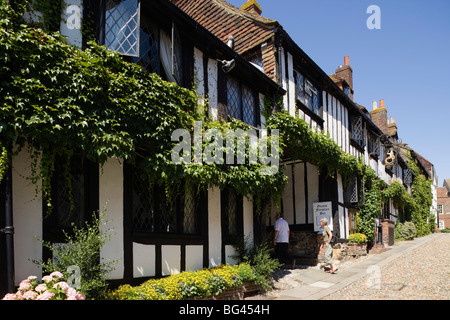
(59, 100)
(414, 206)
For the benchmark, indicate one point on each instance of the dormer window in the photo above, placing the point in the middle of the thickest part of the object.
(346, 90)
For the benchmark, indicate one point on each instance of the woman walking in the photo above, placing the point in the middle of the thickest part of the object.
(327, 236)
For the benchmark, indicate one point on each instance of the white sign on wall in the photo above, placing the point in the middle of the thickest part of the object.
(322, 210)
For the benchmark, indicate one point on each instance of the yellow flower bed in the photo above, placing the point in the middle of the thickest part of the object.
(357, 238)
(205, 282)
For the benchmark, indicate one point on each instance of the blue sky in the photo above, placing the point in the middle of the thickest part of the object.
(406, 62)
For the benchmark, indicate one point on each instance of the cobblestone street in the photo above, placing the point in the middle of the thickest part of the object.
(421, 274)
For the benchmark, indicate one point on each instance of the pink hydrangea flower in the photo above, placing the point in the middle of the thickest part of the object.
(47, 279)
(31, 278)
(45, 296)
(56, 274)
(41, 287)
(24, 285)
(29, 295)
(72, 294)
(62, 285)
(10, 296)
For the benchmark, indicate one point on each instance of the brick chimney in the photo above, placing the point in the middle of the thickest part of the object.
(379, 116)
(345, 72)
(252, 6)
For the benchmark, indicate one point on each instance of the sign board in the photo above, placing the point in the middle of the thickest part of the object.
(322, 210)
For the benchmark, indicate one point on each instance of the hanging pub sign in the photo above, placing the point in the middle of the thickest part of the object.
(391, 157)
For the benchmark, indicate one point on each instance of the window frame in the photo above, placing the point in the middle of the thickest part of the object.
(157, 236)
(230, 238)
(301, 91)
(53, 229)
(119, 47)
(241, 88)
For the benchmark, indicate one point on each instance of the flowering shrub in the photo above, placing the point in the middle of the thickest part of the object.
(52, 288)
(200, 283)
(357, 238)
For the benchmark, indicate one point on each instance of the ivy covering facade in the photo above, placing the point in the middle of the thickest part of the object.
(59, 100)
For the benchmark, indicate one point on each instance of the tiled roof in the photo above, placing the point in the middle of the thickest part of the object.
(223, 19)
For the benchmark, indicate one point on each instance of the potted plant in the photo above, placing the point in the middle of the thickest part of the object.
(357, 244)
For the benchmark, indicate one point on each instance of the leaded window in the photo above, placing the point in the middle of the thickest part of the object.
(122, 26)
(306, 93)
(232, 211)
(234, 98)
(74, 198)
(154, 212)
(149, 47)
(351, 192)
(358, 131)
(241, 102)
(248, 106)
(407, 176)
(373, 145)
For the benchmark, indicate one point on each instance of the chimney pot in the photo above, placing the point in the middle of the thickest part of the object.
(392, 119)
(374, 105)
(381, 103)
(346, 61)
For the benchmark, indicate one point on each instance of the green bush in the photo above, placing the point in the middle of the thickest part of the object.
(405, 231)
(82, 251)
(258, 256)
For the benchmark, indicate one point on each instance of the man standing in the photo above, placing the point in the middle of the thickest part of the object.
(281, 241)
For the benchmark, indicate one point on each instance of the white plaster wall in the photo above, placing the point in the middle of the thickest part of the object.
(287, 196)
(199, 78)
(284, 83)
(27, 218)
(212, 88)
(340, 208)
(291, 84)
(143, 260)
(300, 214)
(111, 198)
(214, 227)
(171, 259)
(313, 189)
(194, 258)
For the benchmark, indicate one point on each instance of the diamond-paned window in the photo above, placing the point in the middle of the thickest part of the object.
(234, 99)
(358, 131)
(231, 213)
(122, 26)
(306, 93)
(248, 106)
(149, 47)
(407, 176)
(153, 213)
(241, 102)
(351, 192)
